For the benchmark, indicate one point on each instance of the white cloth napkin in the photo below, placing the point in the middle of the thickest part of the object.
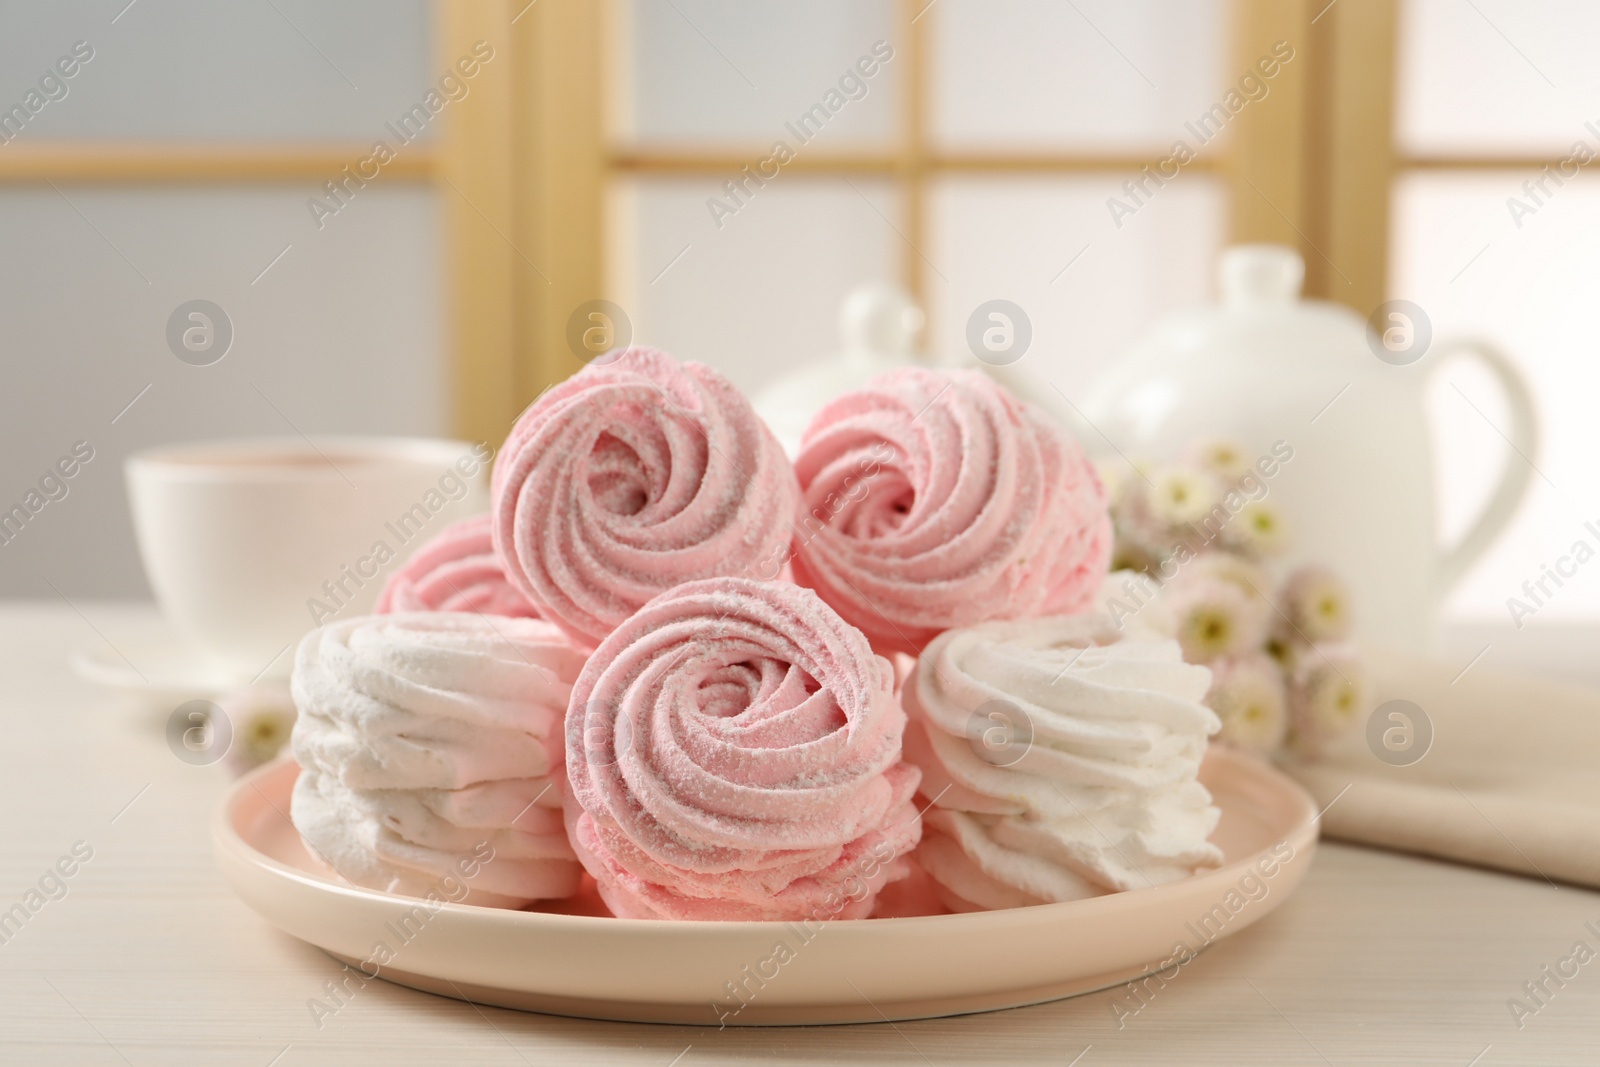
(1509, 780)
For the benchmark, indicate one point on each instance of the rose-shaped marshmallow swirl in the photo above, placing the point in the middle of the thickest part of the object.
(456, 571)
(429, 740)
(734, 753)
(935, 499)
(1061, 758)
(633, 476)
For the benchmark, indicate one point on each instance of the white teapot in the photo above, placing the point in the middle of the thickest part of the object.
(1265, 367)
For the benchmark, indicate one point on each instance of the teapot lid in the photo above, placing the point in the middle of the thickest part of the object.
(880, 319)
(878, 324)
(1261, 307)
(1260, 274)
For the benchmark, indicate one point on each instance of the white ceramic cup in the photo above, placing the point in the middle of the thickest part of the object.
(249, 544)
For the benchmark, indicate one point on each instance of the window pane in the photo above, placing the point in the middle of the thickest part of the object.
(725, 72)
(343, 334)
(1497, 76)
(1093, 74)
(1049, 246)
(759, 295)
(291, 69)
(1531, 290)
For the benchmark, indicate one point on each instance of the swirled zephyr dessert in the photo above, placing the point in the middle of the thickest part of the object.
(633, 476)
(734, 753)
(935, 499)
(431, 748)
(456, 571)
(1060, 761)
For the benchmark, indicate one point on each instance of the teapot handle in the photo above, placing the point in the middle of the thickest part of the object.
(1523, 437)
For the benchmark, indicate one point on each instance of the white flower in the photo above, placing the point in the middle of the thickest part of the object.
(1181, 495)
(1224, 458)
(1327, 696)
(1234, 569)
(261, 718)
(1317, 604)
(1258, 529)
(1128, 555)
(1247, 693)
(1216, 619)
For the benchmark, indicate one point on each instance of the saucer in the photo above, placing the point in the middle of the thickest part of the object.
(155, 664)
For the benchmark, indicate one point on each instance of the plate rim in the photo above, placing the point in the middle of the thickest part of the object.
(227, 839)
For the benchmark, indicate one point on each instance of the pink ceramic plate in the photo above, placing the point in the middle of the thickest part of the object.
(761, 973)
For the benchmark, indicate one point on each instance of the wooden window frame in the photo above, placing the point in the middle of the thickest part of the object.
(522, 167)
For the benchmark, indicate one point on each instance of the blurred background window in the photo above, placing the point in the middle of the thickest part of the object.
(175, 163)
(724, 173)
(1492, 98)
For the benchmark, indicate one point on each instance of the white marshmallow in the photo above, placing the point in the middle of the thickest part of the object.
(429, 741)
(1061, 758)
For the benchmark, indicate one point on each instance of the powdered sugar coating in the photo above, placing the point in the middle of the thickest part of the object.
(456, 571)
(936, 499)
(1060, 758)
(733, 751)
(426, 740)
(633, 476)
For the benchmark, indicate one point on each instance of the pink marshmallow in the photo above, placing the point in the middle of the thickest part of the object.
(635, 475)
(456, 571)
(734, 753)
(936, 499)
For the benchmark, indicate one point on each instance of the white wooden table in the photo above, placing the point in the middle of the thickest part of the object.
(149, 959)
